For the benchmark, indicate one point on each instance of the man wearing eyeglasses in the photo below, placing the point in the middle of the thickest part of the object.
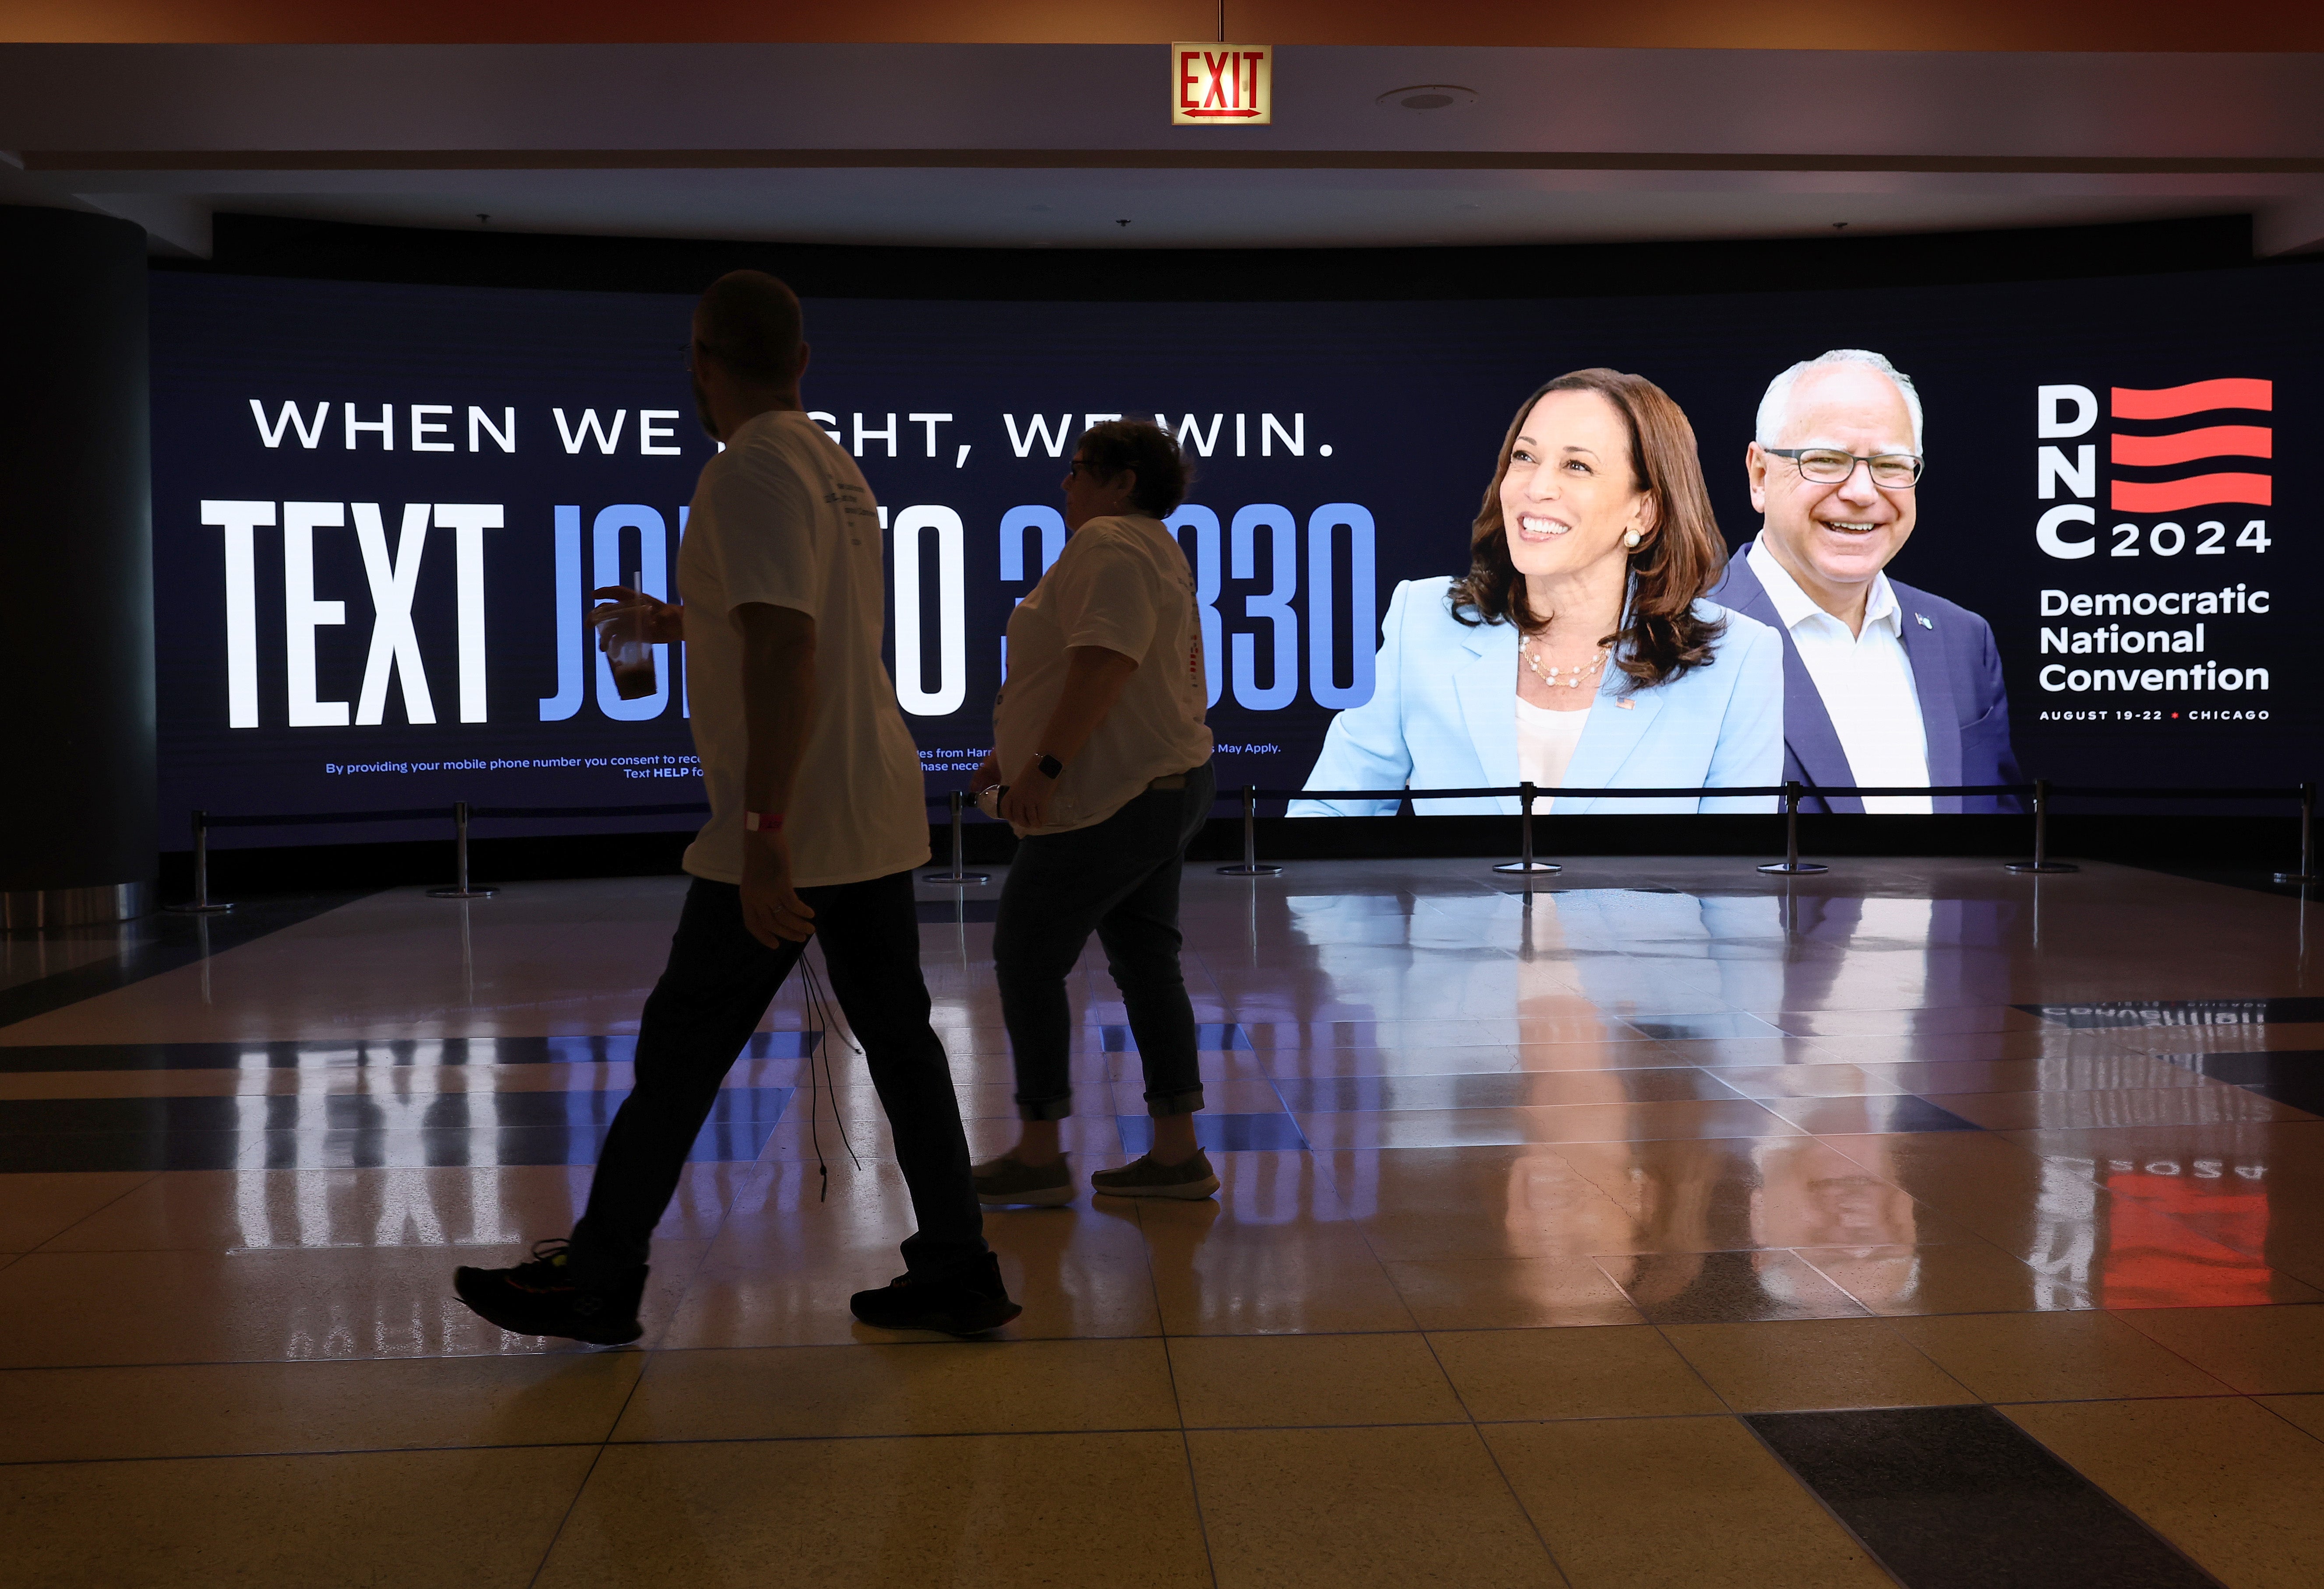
(1884, 685)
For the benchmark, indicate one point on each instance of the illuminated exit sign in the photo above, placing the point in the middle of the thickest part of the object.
(1222, 85)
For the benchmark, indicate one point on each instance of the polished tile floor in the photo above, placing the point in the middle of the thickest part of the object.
(1919, 1223)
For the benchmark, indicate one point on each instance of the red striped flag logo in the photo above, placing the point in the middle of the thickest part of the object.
(2198, 433)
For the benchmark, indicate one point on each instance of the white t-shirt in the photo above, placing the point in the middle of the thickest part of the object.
(783, 516)
(1866, 680)
(1546, 742)
(1123, 583)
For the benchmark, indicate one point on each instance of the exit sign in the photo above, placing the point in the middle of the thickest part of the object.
(1222, 85)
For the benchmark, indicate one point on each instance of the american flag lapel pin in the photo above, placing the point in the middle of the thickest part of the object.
(1627, 705)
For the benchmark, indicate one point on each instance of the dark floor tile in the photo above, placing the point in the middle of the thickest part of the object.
(389, 1054)
(357, 1131)
(356, 1111)
(1224, 1133)
(1334, 1094)
(2289, 1076)
(1960, 1498)
(1725, 1024)
(2181, 1012)
(1866, 1115)
(47, 1151)
(1728, 1288)
(1210, 1037)
(730, 1141)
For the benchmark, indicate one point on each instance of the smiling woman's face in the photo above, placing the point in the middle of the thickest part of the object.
(1569, 494)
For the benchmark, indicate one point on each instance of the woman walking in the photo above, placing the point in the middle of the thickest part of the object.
(1103, 766)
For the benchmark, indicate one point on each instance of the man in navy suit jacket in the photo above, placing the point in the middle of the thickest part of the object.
(1884, 685)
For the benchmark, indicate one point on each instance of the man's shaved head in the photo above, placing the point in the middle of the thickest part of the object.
(750, 322)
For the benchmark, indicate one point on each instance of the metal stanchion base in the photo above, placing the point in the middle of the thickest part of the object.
(1794, 868)
(1255, 869)
(197, 910)
(462, 893)
(1528, 865)
(2302, 878)
(957, 879)
(2039, 868)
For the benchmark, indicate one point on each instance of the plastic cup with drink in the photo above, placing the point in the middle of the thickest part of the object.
(629, 645)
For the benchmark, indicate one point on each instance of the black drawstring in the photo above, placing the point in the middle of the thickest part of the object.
(819, 1024)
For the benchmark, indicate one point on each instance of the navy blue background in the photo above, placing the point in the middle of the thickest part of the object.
(1412, 397)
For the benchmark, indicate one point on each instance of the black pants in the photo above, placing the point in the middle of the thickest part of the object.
(1118, 878)
(712, 996)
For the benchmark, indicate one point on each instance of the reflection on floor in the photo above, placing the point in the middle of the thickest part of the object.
(1919, 1223)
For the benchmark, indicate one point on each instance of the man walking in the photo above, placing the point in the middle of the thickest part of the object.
(817, 823)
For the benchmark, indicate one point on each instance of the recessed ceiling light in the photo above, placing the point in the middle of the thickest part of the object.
(1428, 96)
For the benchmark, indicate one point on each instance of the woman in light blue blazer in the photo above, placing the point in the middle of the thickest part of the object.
(1578, 652)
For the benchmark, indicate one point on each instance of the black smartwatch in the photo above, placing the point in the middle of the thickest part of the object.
(1050, 767)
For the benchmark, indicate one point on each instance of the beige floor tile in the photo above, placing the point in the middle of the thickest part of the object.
(1695, 1197)
(922, 1388)
(2051, 1073)
(1288, 1508)
(1229, 1279)
(2255, 1350)
(2053, 1357)
(237, 1409)
(37, 1207)
(1814, 1364)
(1483, 1202)
(2234, 1487)
(1954, 1277)
(71, 1310)
(1503, 1293)
(1437, 1128)
(1114, 1508)
(1646, 1504)
(1981, 1183)
(1622, 1371)
(1727, 1287)
(1236, 1382)
(2307, 1412)
(1772, 1081)
(388, 1518)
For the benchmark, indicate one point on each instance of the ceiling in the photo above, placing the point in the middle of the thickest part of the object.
(1069, 145)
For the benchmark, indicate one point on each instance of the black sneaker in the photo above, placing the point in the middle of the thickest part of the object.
(968, 1303)
(540, 1298)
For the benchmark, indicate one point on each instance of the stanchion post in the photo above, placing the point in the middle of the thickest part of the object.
(955, 877)
(461, 888)
(1792, 865)
(2307, 872)
(200, 906)
(1525, 862)
(2041, 865)
(1251, 866)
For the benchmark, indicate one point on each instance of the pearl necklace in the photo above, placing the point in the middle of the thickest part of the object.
(1572, 676)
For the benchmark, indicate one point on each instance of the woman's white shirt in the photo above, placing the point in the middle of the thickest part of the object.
(1546, 742)
(1123, 583)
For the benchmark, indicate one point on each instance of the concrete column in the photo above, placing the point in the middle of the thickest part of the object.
(76, 756)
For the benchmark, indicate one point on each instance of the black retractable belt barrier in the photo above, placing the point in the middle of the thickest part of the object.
(1790, 792)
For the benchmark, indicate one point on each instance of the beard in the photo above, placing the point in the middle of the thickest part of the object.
(701, 409)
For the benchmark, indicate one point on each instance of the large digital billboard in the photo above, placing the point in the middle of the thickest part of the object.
(378, 510)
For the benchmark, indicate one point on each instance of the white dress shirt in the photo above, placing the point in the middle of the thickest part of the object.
(1866, 680)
